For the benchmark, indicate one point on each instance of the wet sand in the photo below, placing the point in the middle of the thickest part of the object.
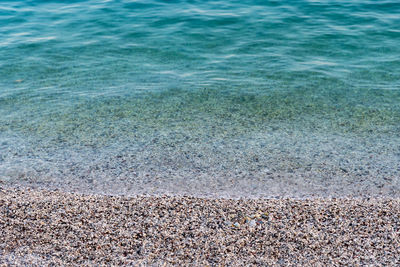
(52, 227)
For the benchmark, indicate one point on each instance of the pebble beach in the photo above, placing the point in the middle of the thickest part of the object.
(40, 228)
(199, 133)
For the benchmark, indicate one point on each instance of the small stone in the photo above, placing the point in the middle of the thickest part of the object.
(228, 223)
(252, 223)
(236, 224)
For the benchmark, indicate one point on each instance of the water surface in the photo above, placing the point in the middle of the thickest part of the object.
(211, 98)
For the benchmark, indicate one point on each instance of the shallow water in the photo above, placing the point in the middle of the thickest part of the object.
(211, 98)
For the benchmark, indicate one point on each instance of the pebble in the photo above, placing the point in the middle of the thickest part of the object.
(252, 223)
(40, 228)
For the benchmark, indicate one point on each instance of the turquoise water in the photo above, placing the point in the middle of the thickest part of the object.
(211, 98)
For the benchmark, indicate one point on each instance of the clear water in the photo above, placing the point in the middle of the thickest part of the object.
(212, 98)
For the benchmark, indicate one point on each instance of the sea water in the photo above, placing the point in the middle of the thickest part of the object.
(209, 98)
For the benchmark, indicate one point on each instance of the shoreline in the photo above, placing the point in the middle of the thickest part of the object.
(40, 227)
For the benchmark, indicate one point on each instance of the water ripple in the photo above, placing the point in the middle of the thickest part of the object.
(263, 95)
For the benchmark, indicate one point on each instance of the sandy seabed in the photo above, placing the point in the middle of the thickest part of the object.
(39, 227)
